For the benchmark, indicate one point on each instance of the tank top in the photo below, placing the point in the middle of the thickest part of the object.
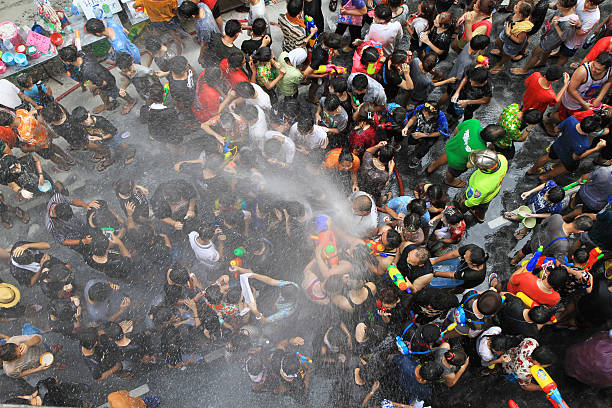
(588, 90)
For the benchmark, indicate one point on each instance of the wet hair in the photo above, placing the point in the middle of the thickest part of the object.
(431, 371)
(385, 154)
(290, 363)
(294, 7)
(188, 9)
(557, 277)
(525, 8)
(489, 302)
(295, 209)
(63, 211)
(161, 314)
(532, 117)
(583, 223)
(543, 355)
(235, 59)
(79, 114)
(212, 75)
(383, 12)
(68, 53)
(605, 58)
(389, 295)
(336, 337)
(305, 124)
(455, 357)
(153, 44)
(156, 93)
(556, 194)
(124, 60)
(399, 115)
(429, 333)
(6, 118)
(334, 284)
(504, 342)
(480, 75)
(263, 54)
(429, 62)
(339, 84)
(486, 6)
(580, 256)
(259, 26)
(178, 64)
(245, 90)
(250, 113)
(232, 27)
(52, 112)
(99, 291)
(254, 365)
(8, 351)
(369, 55)
(363, 203)
(492, 133)
(179, 274)
(444, 301)
(453, 215)
(213, 294)
(478, 255)
(412, 222)
(23, 80)
(62, 309)
(422, 254)
(345, 155)
(360, 82)
(234, 218)
(233, 295)
(417, 206)
(331, 102)
(331, 40)
(88, 338)
(394, 239)
(99, 245)
(553, 73)
(590, 124)
(435, 194)
(113, 331)
(94, 26)
(540, 314)
(446, 20)
(26, 258)
(479, 42)
(124, 186)
(428, 11)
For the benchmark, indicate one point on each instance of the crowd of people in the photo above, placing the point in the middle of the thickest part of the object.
(295, 209)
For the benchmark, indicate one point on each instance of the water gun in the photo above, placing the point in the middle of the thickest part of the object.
(534, 259)
(310, 25)
(512, 404)
(304, 359)
(375, 247)
(594, 255)
(166, 91)
(530, 303)
(327, 239)
(482, 60)
(238, 253)
(397, 278)
(388, 126)
(77, 40)
(548, 386)
(330, 69)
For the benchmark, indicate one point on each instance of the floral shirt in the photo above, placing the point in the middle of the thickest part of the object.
(265, 73)
(511, 123)
(31, 131)
(520, 361)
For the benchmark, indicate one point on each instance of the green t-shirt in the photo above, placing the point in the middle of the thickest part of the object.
(483, 187)
(288, 84)
(466, 141)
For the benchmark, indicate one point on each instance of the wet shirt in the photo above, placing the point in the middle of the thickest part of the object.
(413, 272)
(91, 70)
(570, 141)
(31, 131)
(407, 380)
(466, 140)
(598, 189)
(140, 201)
(540, 205)
(551, 236)
(470, 277)
(30, 360)
(61, 230)
(371, 178)
(484, 187)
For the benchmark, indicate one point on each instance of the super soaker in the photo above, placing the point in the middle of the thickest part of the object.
(375, 247)
(534, 259)
(397, 278)
(330, 69)
(548, 386)
(326, 239)
(310, 25)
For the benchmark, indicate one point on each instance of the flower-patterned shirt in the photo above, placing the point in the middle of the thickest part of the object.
(520, 361)
(511, 123)
(31, 131)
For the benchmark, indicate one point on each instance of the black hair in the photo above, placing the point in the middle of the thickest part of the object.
(99, 291)
(399, 115)
(383, 12)
(63, 211)
(360, 82)
(212, 75)
(444, 301)
(394, 239)
(124, 60)
(479, 42)
(525, 8)
(153, 44)
(235, 59)
(206, 231)
(556, 194)
(99, 245)
(532, 117)
(480, 75)
(489, 302)
(23, 80)
(17, 401)
(232, 27)
(504, 342)
(233, 295)
(369, 55)
(259, 26)
(94, 26)
(188, 9)
(213, 295)
(124, 186)
(492, 133)
(52, 112)
(294, 7)
(61, 309)
(345, 155)
(334, 284)
(263, 54)
(68, 53)
(455, 357)
(540, 314)
(332, 40)
(305, 124)
(290, 363)
(113, 331)
(395, 3)
(583, 223)
(88, 337)
(8, 351)
(429, 62)
(331, 102)
(178, 64)
(254, 364)
(412, 221)
(245, 90)
(417, 206)
(605, 58)
(453, 215)
(580, 256)
(553, 73)
(385, 154)
(431, 371)
(336, 337)
(430, 333)
(26, 258)
(161, 314)
(249, 112)
(289, 293)
(590, 124)
(272, 147)
(156, 93)
(398, 57)
(557, 277)
(6, 118)
(179, 274)
(478, 255)
(543, 355)
(339, 84)
(79, 114)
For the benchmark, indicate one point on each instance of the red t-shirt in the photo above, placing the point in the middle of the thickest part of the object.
(527, 283)
(536, 97)
(207, 100)
(603, 45)
(233, 76)
(210, 3)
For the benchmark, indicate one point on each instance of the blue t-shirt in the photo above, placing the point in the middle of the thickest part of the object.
(358, 4)
(34, 94)
(398, 204)
(539, 204)
(407, 380)
(570, 141)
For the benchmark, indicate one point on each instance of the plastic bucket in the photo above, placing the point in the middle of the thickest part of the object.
(528, 222)
(20, 48)
(8, 58)
(32, 52)
(21, 60)
(45, 187)
(15, 38)
(56, 39)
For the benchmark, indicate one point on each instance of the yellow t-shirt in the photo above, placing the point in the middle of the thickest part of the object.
(521, 27)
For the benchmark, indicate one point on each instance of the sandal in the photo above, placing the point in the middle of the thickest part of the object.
(519, 57)
(333, 5)
(128, 161)
(495, 51)
(518, 71)
(95, 158)
(493, 277)
(23, 215)
(520, 235)
(103, 165)
(458, 184)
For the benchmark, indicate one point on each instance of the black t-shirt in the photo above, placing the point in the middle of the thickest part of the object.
(140, 201)
(470, 277)
(117, 266)
(91, 70)
(101, 127)
(183, 90)
(470, 92)
(319, 57)
(159, 202)
(104, 357)
(512, 318)
(421, 305)
(390, 82)
(173, 293)
(27, 178)
(74, 133)
(165, 126)
(250, 46)
(217, 50)
(140, 345)
(21, 274)
(412, 272)
(442, 41)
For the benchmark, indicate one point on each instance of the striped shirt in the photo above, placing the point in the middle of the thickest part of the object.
(74, 228)
(294, 36)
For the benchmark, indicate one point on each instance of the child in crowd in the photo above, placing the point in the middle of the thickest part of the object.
(513, 39)
(116, 35)
(259, 37)
(473, 92)
(449, 229)
(138, 75)
(266, 71)
(331, 115)
(39, 92)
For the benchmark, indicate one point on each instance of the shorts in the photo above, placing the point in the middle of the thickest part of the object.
(567, 52)
(585, 207)
(564, 112)
(112, 93)
(454, 172)
(45, 153)
(570, 165)
(510, 47)
(172, 24)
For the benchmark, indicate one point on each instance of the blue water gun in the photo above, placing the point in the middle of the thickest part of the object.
(534, 259)
(310, 25)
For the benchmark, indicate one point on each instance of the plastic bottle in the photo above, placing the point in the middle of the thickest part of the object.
(68, 11)
(7, 45)
(74, 9)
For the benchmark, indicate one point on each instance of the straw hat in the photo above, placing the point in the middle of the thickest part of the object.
(9, 295)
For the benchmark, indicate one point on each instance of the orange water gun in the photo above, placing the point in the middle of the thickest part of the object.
(327, 240)
(375, 247)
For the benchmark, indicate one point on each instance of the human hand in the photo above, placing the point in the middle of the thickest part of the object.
(41, 180)
(22, 348)
(114, 286)
(342, 10)
(566, 77)
(454, 98)
(383, 312)
(125, 303)
(129, 208)
(87, 240)
(94, 204)
(375, 387)
(505, 358)
(296, 341)
(601, 144)
(382, 143)
(190, 303)
(424, 38)
(178, 225)
(177, 166)
(463, 104)
(26, 194)
(283, 71)
(314, 30)
(127, 326)
(452, 80)
(17, 252)
(190, 214)
(468, 18)
(418, 135)
(524, 195)
(555, 20)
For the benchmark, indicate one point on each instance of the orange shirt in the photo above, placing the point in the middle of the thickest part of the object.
(122, 399)
(158, 10)
(331, 160)
(31, 131)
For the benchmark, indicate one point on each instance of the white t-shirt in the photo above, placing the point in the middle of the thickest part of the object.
(317, 139)
(287, 148)
(485, 353)
(9, 94)
(363, 226)
(262, 99)
(206, 254)
(387, 34)
(258, 130)
(588, 20)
